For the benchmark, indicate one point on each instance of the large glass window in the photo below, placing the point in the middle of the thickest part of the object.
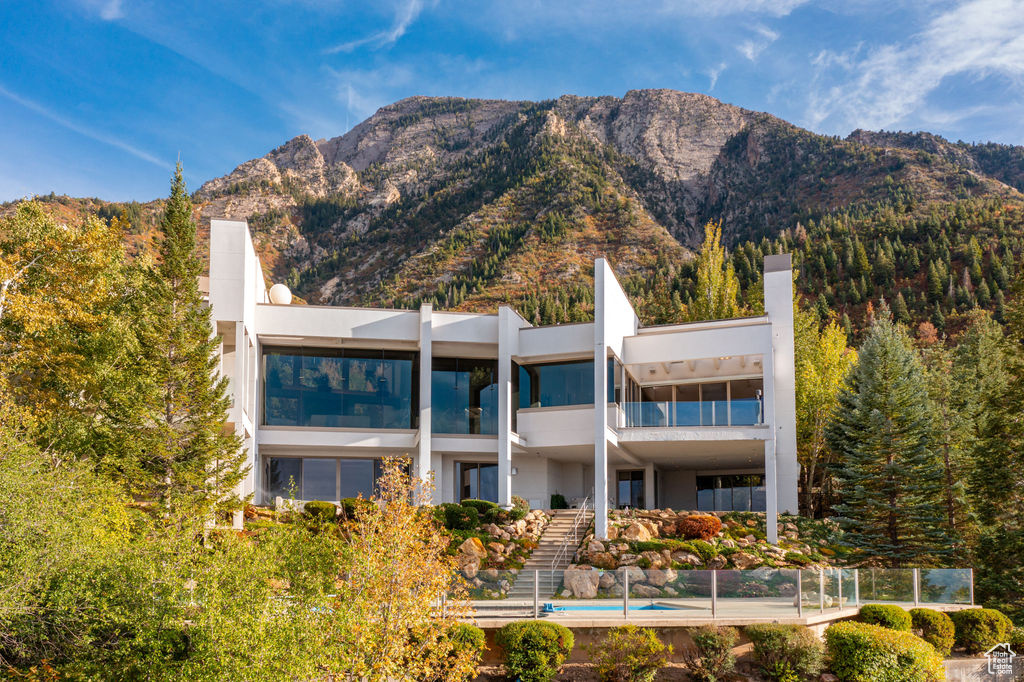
(344, 388)
(721, 403)
(731, 492)
(631, 489)
(464, 396)
(320, 478)
(478, 481)
(557, 384)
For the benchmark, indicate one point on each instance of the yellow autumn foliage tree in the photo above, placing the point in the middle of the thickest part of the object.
(717, 294)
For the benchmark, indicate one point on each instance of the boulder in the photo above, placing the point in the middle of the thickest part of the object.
(635, 573)
(496, 547)
(473, 547)
(658, 577)
(686, 558)
(595, 546)
(613, 532)
(582, 582)
(471, 568)
(728, 543)
(637, 532)
(745, 561)
(489, 575)
(602, 560)
(655, 558)
(519, 527)
(718, 562)
(607, 580)
(493, 530)
(628, 559)
(645, 591)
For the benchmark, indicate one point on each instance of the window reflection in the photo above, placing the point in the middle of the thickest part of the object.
(731, 492)
(464, 396)
(320, 478)
(478, 481)
(557, 384)
(347, 388)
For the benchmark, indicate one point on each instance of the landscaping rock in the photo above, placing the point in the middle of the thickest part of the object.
(628, 559)
(636, 532)
(655, 558)
(635, 573)
(686, 558)
(496, 547)
(471, 568)
(745, 561)
(659, 577)
(602, 560)
(645, 591)
(718, 562)
(606, 580)
(489, 574)
(595, 546)
(582, 582)
(473, 547)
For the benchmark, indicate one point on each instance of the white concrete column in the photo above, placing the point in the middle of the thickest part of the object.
(778, 304)
(508, 336)
(771, 486)
(649, 495)
(423, 459)
(600, 412)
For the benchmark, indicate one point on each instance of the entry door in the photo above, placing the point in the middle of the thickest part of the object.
(631, 489)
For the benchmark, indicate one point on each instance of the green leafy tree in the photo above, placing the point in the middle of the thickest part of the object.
(186, 456)
(888, 471)
(717, 287)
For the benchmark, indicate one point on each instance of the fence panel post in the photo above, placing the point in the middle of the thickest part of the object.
(800, 592)
(714, 593)
(821, 590)
(972, 587)
(917, 587)
(856, 587)
(625, 594)
(536, 593)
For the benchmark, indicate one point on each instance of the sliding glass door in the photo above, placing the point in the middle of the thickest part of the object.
(478, 481)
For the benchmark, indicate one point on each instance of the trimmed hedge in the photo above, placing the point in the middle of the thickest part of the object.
(979, 629)
(786, 653)
(481, 506)
(534, 649)
(629, 654)
(456, 517)
(558, 501)
(934, 627)
(861, 652)
(887, 615)
(321, 511)
(699, 527)
(464, 638)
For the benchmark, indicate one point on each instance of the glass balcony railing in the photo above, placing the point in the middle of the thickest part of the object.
(743, 412)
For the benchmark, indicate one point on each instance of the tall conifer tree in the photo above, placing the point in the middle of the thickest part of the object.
(191, 461)
(889, 474)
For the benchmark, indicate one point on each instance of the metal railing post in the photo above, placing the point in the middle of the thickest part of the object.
(856, 587)
(536, 593)
(917, 587)
(821, 590)
(800, 592)
(625, 594)
(972, 586)
(714, 594)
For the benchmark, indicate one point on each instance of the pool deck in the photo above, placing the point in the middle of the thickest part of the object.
(676, 612)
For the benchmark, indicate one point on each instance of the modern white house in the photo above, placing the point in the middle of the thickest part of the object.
(689, 416)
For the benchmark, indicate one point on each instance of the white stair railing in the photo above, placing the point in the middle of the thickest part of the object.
(571, 539)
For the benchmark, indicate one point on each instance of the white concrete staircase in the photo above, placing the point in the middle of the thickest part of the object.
(547, 549)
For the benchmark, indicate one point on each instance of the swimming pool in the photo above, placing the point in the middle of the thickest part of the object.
(551, 608)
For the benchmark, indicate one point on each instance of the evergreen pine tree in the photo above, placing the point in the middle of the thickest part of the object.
(889, 474)
(191, 462)
(899, 309)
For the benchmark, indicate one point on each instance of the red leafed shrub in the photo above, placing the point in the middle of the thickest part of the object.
(699, 527)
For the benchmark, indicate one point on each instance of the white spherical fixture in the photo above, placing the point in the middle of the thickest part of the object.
(280, 294)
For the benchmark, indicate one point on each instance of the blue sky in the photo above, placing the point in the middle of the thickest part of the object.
(100, 97)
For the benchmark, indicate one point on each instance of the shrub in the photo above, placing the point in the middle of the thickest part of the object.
(798, 558)
(861, 652)
(350, 506)
(629, 654)
(979, 629)
(699, 527)
(534, 650)
(520, 508)
(887, 615)
(712, 658)
(321, 511)
(495, 516)
(705, 550)
(786, 653)
(934, 627)
(457, 517)
(558, 501)
(1017, 638)
(481, 506)
(468, 641)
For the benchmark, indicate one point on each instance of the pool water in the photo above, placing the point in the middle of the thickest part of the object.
(551, 608)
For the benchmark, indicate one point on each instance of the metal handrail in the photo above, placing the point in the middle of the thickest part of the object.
(563, 549)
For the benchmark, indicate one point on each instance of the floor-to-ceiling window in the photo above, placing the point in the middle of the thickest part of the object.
(320, 478)
(731, 492)
(631, 489)
(477, 481)
(737, 402)
(464, 396)
(557, 384)
(340, 388)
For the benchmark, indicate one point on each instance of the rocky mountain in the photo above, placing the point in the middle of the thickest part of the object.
(468, 202)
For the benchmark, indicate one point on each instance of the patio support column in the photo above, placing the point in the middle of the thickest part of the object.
(508, 331)
(771, 516)
(649, 492)
(423, 459)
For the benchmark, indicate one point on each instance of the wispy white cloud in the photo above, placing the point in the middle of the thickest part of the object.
(775, 8)
(888, 85)
(83, 130)
(713, 74)
(406, 13)
(752, 47)
(112, 10)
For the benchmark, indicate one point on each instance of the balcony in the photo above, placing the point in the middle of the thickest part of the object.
(670, 414)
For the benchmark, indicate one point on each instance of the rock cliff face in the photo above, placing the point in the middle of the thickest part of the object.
(473, 202)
